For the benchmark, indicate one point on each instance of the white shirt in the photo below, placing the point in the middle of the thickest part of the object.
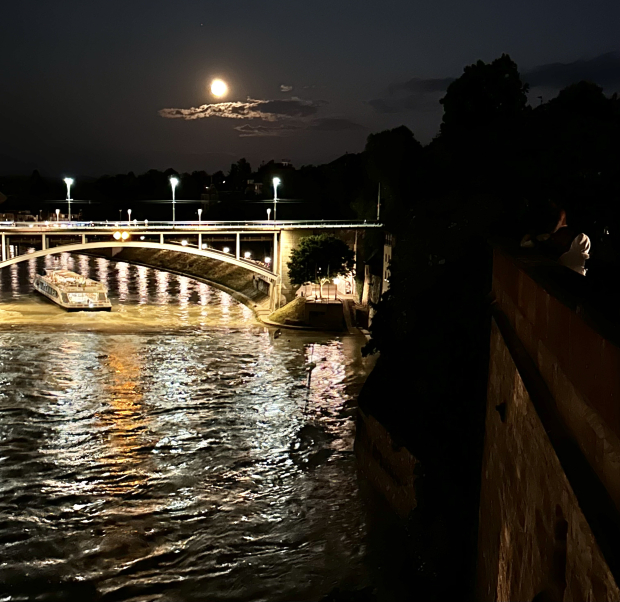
(575, 257)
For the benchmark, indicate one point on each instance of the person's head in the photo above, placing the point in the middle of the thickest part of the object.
(558, 217)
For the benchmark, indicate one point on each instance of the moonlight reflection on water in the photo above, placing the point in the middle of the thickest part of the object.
(169, 449)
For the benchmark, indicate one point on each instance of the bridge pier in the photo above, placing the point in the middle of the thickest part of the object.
(83, 239)
(161, 238)
(238, 245)
(200, 240)
(4, 242)
(289, 240)
(43, 243)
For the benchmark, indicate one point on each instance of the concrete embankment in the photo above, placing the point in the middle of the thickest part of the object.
(388, 466)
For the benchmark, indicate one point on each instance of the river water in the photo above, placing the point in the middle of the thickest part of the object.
(171, 449)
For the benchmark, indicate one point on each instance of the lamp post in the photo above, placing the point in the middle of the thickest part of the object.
(276, 183)
(57, 215)
(173, 182)
(269, 214)
(128, 217)
(68, 182)
(199, 215)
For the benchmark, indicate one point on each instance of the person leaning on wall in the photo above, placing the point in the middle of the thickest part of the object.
(562, 243)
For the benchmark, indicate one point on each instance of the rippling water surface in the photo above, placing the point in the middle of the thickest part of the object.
(170, 449)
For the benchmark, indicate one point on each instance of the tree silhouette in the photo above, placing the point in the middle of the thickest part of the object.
(484, 96)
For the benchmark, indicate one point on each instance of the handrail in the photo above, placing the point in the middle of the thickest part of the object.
(147, 225)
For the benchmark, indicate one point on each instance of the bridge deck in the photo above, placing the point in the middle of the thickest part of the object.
(197, 227)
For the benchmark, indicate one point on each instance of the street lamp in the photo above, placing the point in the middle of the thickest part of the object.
(57, 214)
(173, 182)
(68, 182)
(128, 216)
(269, 214)
(199, 215)
(276, 183)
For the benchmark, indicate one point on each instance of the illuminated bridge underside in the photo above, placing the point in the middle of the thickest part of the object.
(251, 266)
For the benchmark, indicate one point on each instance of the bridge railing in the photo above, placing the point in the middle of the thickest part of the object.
(185, 225)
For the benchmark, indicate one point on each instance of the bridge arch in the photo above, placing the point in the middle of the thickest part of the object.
(262, 272)
(248, 282)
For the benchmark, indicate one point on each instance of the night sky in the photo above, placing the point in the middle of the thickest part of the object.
(100, 86)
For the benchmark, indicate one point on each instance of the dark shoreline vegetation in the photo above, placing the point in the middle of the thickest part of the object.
(490, 173)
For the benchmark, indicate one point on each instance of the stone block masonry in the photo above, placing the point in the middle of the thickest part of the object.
(549, 522)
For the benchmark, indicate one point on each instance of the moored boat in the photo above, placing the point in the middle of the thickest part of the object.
(72, 291)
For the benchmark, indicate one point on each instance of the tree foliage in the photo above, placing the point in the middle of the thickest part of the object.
(319, 258)
(487, 94)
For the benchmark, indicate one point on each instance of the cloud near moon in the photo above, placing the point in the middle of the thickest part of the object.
(283, 117)
(266, 110)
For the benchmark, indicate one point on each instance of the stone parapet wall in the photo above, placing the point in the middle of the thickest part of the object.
(534, 539)
(549, 522)
(579, 365)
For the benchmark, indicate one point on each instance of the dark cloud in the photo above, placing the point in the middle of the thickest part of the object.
(267, 110)
(331, 124)
(603, 70)
(327, 124)
(285, 88)
(423, 95)
(413, 102)
(417, 94)
(263, 131)
(418, 85)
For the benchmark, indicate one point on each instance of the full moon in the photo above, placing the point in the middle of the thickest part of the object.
(219, 88)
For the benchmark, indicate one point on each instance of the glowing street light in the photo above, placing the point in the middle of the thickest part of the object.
(269, 214)
(199, 215)
(57, 214)
(276, 183)
(247, 254)
(173, 182)
(68, 182)
(184, 242)
(128, 216)
(226, 249)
